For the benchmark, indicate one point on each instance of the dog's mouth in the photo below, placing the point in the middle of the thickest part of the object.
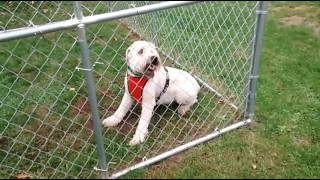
(150, 67)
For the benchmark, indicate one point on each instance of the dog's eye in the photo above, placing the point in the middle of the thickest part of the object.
(140, 51)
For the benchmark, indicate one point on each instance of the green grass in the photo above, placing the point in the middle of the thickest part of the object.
(42, 119)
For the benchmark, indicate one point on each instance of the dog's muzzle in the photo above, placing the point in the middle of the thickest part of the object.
(150, 67)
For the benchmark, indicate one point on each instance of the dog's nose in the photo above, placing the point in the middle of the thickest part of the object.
(154, 60)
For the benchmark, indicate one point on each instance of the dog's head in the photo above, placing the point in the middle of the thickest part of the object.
(142, 57)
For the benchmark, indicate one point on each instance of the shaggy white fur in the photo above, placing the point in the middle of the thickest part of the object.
(143, 58)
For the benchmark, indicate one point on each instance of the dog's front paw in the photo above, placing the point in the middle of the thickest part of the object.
(182, 110)
(137, 139)
(111, 121)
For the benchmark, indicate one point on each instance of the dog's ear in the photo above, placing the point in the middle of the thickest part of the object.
(126, 55)
(160, 61)
(152, 45)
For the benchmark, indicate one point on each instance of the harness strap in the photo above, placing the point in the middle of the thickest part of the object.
(165, 86)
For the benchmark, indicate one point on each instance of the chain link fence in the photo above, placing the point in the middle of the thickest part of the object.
(46, 122)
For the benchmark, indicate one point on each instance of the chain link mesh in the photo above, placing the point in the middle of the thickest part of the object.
(45, 123)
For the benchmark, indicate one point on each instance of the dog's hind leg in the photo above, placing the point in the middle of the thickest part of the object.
(183, 108)
(122, 110)
(186, 99)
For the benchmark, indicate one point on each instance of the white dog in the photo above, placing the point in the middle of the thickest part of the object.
(149, 82)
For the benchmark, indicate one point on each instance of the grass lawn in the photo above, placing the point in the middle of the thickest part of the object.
(44, 123)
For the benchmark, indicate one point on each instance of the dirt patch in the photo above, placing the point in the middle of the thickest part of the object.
(297, 8)
(81, 107)
(299, 20)
(134, 37)
(315, 26)
(125, 128)
(317, 30)
(23, 176)
(129, 122)
(39, 111)
(293, 20)
(4, 142)
(301, 142)
(42, 133)
(99, 40)
(166, 165)
(302, 8)
(301, 15)
(279, 9)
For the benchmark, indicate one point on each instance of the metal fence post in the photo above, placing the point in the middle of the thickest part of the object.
(154, 27)
(109, 6)
(91, 90)
(261, 12)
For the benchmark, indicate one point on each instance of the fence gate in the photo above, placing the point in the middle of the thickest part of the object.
(62, 71)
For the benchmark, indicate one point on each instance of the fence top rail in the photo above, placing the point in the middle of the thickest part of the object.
(71, 23)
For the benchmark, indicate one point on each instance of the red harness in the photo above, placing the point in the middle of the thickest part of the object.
(135, 87)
